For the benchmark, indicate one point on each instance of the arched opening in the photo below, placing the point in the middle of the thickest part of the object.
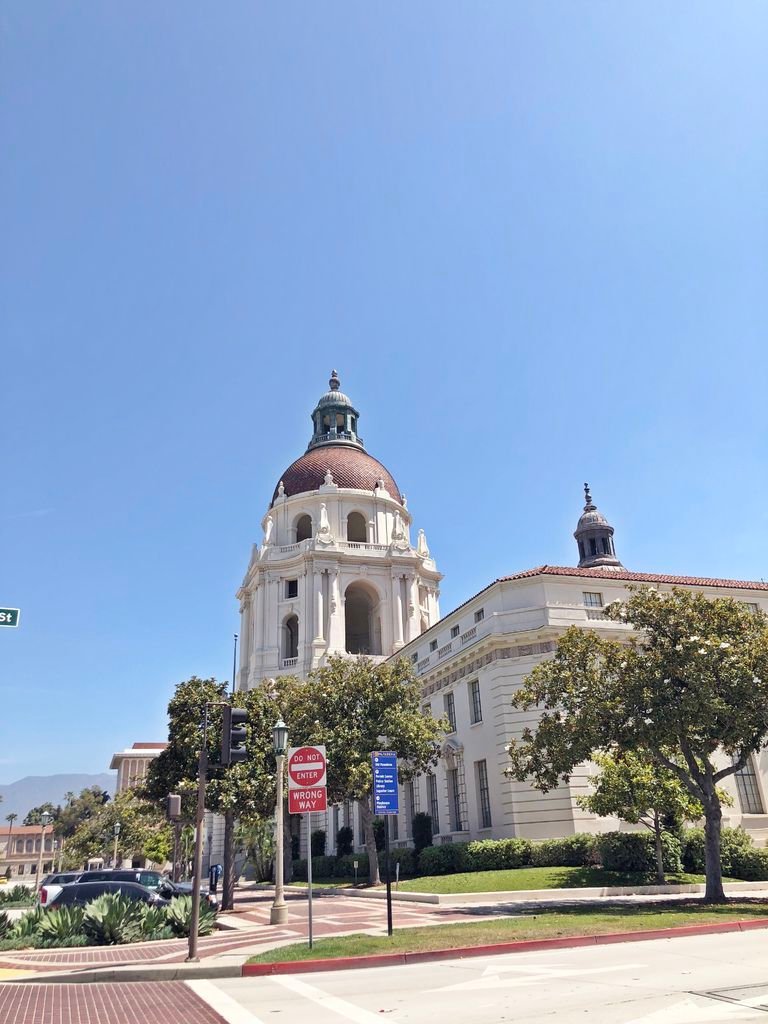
(362, 625)
(303, 527)
(291, 637)
(357, 528)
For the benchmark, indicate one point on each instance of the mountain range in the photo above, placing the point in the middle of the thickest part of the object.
(21, 796)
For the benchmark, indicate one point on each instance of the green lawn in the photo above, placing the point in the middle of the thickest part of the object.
(521, 879)
(570, 921)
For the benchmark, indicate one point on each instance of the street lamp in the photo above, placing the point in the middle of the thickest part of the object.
(279, 911)
(45, 819)
(117, 836)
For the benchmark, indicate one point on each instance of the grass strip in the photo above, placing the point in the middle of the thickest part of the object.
(520, 879)
(564, 922)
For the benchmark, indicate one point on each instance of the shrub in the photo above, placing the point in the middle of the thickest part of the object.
(317, 842)
(5, 924)
(634, 852)
(18, 894)
(443, 860)
(402, 856)
(111, 919)
(179, 916)
(295, 847)
(732, 842)
(58, 926)
(345, 867)
(421, 826)
(498, 854)
(154, 921)
(27, 925)
(575, 851)
(749, 864)
(344, 840)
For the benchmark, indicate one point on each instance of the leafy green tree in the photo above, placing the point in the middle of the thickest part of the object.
(34, 816)
(354, 707)
(78, 809)
(690, 688)
(141, 825)
(638, 790)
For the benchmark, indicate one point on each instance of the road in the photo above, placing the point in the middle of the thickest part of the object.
(701, 980)
(713, 979)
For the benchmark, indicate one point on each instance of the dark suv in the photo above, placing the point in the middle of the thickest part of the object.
(80, 893)
(153, 880)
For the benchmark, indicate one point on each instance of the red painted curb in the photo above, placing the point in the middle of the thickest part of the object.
(522, 946)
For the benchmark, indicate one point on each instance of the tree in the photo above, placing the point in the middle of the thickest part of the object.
(79, 809)
(34, 816)
(638, 790)
(142, 828)
(354, 707)
(690, 688)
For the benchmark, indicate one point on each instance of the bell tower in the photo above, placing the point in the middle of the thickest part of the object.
(594, 536)
(335, 571)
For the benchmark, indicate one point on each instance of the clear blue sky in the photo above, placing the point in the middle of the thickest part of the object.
(531, 236)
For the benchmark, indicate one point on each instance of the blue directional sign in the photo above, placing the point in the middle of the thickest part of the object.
(384, 782)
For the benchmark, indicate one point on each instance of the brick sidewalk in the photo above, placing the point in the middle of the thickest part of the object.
(153, 1002)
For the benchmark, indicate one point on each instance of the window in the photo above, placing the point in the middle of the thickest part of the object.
(414, 657)
(29, 846)
(479, 615)
(454, 631)
(592, 600)
(410, 807)
(291, 588)
(475, 707)
(19, 846)
(303, 528)
(433, 645)
(592, 546)
(434, 807)
(454, 800)
(483, 794)
(450, 711)
(746, 786)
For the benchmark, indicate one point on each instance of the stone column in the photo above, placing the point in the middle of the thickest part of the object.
(336, 617)
(319, 623)
(414, 615)
(258, 623)
(246, 609)
(397, 611)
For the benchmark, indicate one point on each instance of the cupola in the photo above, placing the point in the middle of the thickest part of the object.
(335, 418)
(594, 535)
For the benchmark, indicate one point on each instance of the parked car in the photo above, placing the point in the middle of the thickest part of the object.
(59, 878)
(150, 879)
(80, 893)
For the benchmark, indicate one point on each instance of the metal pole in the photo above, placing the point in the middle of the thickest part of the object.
(40, 858)
(279, 911)
(202, 768)
(228, 889)
(389, 880)
(175, 866)
(309, 879)
(114, 852)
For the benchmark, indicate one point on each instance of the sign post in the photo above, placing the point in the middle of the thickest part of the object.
(9, 616)
(307, 792)
(385, 801)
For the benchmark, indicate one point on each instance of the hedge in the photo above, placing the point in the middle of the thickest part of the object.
(498, 854)
(577, 851)
(636, 852)
(733, 843)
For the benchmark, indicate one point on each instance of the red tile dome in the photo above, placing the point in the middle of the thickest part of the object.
(350, 466)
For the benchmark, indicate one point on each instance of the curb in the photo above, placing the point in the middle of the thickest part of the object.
(163, 972)
(522, 946)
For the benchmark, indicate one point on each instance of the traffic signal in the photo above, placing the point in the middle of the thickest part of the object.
(233, 735)
(173, 806)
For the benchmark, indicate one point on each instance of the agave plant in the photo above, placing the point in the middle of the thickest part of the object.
(179, 915)
(111, 919)
(17, 894)
(5, 924)
(154, 921)
(28, 924)
(61, 924)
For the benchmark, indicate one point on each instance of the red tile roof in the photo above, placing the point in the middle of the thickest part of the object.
(635, 577)
(350, 467)
(149, 746)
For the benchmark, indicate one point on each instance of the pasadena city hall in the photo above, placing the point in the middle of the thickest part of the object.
(338, 571)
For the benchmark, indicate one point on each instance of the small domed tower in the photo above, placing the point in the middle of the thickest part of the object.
(594, 535)
(335, 572)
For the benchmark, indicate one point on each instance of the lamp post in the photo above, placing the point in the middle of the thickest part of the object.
(117, 836)
(279, 911)
(45, 818)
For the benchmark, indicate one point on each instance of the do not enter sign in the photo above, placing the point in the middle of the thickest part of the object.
(306, 767)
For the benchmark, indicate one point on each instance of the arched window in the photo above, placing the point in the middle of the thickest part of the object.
(30, 846)
(19, 846)
(362, 626)
(303, 527)
(357, 528)
(291, 637)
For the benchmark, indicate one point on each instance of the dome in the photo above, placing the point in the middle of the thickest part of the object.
(592, 518)
(350, 467)
(334, 398)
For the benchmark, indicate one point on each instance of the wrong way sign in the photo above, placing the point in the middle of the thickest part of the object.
(306, 780)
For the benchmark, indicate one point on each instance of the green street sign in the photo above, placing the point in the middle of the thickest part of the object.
(9, 616)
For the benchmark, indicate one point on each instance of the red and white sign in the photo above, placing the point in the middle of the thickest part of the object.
(306, 768)
(305, 801)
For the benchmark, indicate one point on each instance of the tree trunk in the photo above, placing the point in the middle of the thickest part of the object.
(661, 880)
(287, 853)
(228, 887)
(712, 821)
(366, 818)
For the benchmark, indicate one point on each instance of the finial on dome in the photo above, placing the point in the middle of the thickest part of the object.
(334, 383)
(588, 506)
